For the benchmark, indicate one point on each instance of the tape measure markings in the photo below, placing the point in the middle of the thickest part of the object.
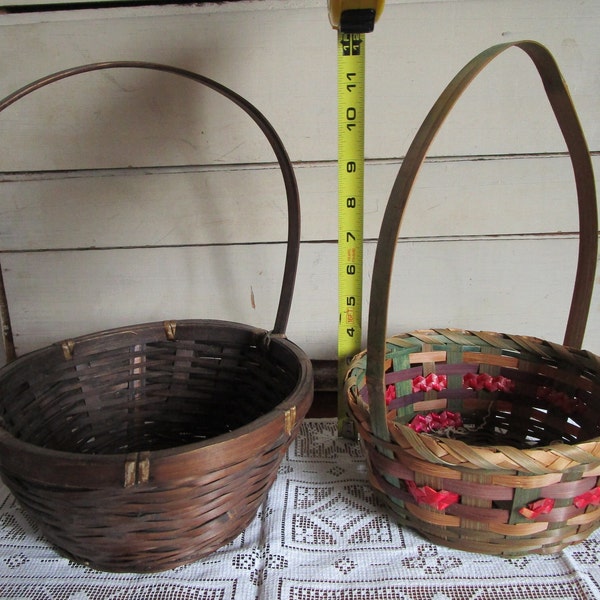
(351, 110)
(353, 19)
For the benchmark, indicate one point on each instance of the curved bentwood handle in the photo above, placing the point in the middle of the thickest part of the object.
(565, 114)
(293, 202)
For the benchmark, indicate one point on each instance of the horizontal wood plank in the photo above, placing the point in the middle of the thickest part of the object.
(284, 62)
(179, 188)
(509, 285)
(521, 195)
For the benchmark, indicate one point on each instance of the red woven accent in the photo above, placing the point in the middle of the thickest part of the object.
(588, 498)
(537, 508)
(436, 422)
(437, 499)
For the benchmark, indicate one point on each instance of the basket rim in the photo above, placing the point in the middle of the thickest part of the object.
(360, 360)
(296, 397)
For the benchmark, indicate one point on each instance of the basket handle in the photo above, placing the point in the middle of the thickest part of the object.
(568, 121)
(293, 202)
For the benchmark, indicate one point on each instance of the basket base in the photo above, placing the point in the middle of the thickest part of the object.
(179, 558)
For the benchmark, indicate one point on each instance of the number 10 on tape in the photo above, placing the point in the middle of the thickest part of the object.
(351, 104)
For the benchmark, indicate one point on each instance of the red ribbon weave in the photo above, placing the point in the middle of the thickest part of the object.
(564, 402)
(590, 497)
(433, 381)
(436, 421)
(540, 507)
(484, 381)
(427, 495)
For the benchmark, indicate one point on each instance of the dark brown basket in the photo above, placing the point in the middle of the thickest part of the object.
(488, 442)
(150, 446)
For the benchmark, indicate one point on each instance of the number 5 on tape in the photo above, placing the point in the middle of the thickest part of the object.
(353, 19)
(351, 107)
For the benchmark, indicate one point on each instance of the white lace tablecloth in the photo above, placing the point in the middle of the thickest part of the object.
(321, 535)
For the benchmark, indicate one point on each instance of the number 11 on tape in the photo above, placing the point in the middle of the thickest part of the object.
(351, 111)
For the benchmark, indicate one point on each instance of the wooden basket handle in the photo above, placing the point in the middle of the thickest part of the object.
(565, 114)
(293, 202)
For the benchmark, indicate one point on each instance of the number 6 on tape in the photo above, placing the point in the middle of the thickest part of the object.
(353, 19)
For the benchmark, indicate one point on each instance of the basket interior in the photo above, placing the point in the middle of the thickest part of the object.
(488, 395)
(142, 397)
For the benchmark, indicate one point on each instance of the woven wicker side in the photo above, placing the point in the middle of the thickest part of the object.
(517, 447)
(161, 449)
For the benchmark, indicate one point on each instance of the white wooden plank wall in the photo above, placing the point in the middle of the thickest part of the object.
(132, 196)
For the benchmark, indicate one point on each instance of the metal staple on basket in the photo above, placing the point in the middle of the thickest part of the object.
(524, 475)
(150, 446)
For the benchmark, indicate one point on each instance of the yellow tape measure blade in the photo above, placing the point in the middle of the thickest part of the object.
(351, 113)
(353, 19)
(351, 125)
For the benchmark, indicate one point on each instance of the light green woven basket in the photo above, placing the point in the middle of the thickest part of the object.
(487, 442)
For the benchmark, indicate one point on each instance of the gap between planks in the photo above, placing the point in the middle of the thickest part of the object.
(15, 176)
